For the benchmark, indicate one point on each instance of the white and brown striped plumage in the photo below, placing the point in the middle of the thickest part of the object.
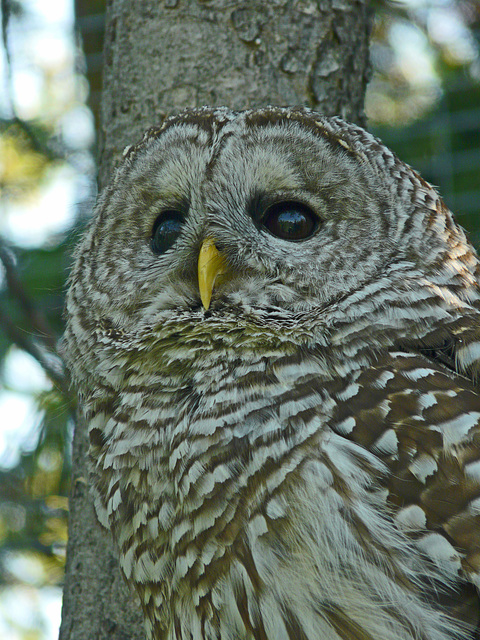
(301, 460)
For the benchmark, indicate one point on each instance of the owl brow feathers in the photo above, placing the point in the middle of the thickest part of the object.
(212, 121)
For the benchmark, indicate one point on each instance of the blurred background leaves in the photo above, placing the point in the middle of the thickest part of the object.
(423, 101)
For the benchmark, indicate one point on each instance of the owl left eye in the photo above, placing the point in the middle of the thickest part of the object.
(290, 221)
(166, 230)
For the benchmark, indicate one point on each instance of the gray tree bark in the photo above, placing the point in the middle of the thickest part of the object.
(161, 57)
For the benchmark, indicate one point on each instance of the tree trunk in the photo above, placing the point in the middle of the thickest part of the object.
(160, 58)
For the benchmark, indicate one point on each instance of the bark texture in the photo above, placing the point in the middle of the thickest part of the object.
(161, 57)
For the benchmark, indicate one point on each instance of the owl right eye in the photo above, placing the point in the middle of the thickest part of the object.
(291, 221)
(166, 230)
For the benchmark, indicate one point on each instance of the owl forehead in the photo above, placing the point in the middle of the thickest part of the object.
(234, 154)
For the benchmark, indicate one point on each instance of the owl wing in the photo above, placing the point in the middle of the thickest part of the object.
(418, 409)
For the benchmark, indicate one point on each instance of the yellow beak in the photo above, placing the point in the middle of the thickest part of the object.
(211, 264)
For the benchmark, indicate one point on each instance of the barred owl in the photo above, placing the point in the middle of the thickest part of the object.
(274, 333)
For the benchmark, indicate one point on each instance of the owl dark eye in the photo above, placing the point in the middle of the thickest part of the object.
(166, 230)
(290, 221)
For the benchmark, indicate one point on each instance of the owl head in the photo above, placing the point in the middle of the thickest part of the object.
(278, 217)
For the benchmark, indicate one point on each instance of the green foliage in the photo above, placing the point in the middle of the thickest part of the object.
(438, 131)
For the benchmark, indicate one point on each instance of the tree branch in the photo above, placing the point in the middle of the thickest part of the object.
(37, 319)
(45, 354)
(50, 361)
